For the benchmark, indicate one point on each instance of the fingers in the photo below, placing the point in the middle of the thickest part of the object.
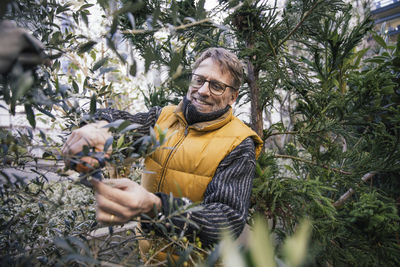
(76, 145)
(117, 194)
(93, 135)
(106, 206)
(122, 183)
(124, 199)
(72, 138)
(109, 218)
(112, 200)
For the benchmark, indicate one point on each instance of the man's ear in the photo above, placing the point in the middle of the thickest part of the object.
(234, 95)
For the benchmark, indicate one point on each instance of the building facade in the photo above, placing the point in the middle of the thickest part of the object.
(386, 13)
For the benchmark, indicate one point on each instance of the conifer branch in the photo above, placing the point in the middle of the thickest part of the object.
(290, 132)
(177, 28)
(298, 24)
(312, 163)
(351, 191)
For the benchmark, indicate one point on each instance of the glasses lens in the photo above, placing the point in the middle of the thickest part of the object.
(197, 81)
(217, 88)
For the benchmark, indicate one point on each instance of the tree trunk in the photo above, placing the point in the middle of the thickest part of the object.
(256, 109)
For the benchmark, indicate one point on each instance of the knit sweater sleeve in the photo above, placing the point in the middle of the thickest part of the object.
(147, 120)
(226, 200)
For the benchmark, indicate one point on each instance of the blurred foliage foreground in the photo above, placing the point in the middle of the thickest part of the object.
(337, 163)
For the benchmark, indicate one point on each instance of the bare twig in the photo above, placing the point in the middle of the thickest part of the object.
(109, 264)
(351, 191)
(157, 252)
(312, 163)
(292, 132)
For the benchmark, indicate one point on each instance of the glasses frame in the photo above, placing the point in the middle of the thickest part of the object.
(224, 85)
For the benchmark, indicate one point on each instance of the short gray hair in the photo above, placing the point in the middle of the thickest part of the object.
(228, 61)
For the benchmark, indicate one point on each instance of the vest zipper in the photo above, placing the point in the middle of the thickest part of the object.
(169, 157)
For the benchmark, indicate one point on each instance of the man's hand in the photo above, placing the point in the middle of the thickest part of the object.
(119, 200)
(91, 135)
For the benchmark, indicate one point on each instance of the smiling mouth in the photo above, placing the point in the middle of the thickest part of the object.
(199, 101)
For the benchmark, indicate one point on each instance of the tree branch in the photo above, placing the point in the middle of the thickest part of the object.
(312, 163)
(351, 191)
(298, 24)
(291, 132)
(176, 28)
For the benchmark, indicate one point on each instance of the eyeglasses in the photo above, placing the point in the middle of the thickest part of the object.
(216, 88)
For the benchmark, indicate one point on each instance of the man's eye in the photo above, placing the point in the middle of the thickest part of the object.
(217, 87)
(199, 80)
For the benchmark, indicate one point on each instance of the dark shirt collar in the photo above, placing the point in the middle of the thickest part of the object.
(192, 115)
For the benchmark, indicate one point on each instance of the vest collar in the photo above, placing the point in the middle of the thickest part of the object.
(205, 125)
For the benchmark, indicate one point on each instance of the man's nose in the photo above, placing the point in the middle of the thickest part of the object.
(204, 90)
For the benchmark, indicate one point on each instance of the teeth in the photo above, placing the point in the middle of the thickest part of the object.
(201, 102)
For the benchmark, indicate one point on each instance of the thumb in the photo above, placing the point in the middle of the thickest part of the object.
(95, 183)
(121, 183)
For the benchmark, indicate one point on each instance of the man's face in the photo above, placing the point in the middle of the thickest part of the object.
(202, 98)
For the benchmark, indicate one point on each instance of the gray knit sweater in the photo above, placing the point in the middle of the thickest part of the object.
(227, 197)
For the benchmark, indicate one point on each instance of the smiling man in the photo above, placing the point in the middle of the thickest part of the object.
(212, 160)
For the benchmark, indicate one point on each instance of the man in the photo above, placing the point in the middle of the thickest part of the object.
(212, 160)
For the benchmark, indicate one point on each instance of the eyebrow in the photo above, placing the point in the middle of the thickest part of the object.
(212, 80)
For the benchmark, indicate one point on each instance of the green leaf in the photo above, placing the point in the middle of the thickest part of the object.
(63, 244)
(114, 24)
(43, 137)
(148, 58)
(153, 135)
(123, 125)
(132, 69)
(261, 249)
(360, 55)
(93, 55)
(295, 247)
(230, 253)
(375, 60)
(174, 63)
(93, 104)
(121, 141)
(114, 124)
(111, 45)
(99, 64)
(380, 41)
(75, 86)
(64, 8)
(82, 48)
(388, 90)
(104, 3)
(30, 115)
(156, 14)
(289, 168)
(85, 18)
(108, 143)
(85, 6)
(23, 84)
(200, 10)
(133, 126)
(174, 12)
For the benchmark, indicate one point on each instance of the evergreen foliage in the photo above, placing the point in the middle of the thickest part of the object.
(333, 157)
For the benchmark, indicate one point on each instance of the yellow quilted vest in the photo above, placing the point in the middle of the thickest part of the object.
(186, 163)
